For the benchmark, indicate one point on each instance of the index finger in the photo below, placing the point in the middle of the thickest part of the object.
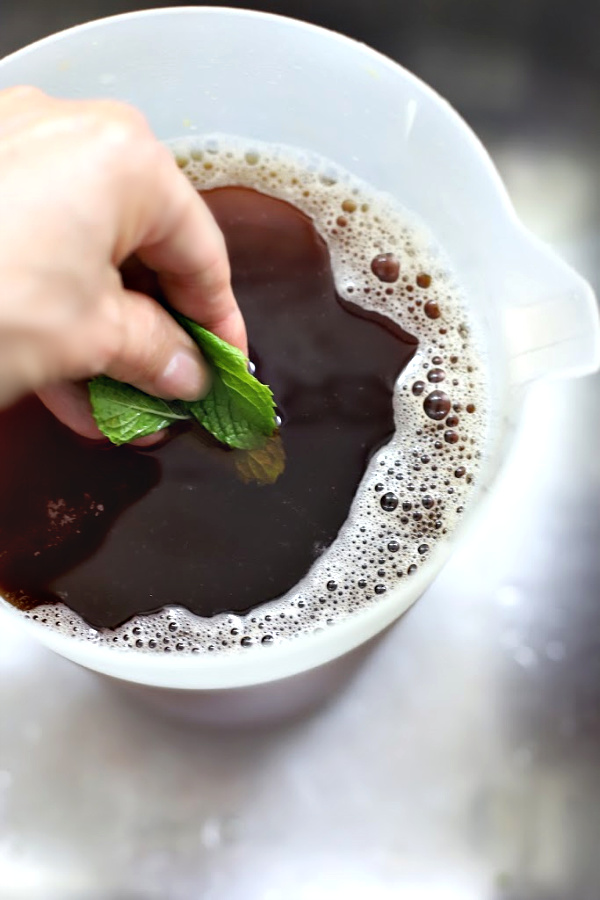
(176, 235)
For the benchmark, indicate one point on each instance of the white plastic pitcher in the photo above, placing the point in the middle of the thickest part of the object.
(202, 70)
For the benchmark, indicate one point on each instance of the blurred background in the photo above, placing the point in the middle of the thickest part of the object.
(462, 762)
(493, 59)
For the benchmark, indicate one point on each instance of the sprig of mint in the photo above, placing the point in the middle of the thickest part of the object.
(261, 465)
(238, 411)
(123, 413)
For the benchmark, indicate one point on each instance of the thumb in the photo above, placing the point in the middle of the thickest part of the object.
(154, 353)
(148, 350)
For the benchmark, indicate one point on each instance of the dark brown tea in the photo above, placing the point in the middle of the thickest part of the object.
(113, 532)
(333, 277)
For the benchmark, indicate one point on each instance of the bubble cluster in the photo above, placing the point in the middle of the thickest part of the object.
(416, 487)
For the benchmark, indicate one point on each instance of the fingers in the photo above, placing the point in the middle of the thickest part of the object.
(69, 403)
(155, 211)
(178, 237)
(154, 353)
(148, 350)
(136, 342)
(87, 185)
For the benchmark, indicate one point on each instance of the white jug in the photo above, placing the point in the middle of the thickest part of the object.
(202, 70)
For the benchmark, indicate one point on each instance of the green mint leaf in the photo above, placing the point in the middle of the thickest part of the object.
(123, 413)
(239, 410)
(264, 464)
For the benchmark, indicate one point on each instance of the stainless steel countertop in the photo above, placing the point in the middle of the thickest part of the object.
(461, 763)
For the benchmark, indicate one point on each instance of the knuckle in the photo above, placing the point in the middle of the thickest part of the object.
(120, 127)
(130, 117)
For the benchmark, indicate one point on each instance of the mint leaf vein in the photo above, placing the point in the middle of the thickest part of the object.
(238, 411)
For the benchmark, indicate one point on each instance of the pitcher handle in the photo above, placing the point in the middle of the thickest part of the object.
(551, 318)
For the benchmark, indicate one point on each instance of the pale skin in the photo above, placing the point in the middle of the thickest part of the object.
(83, 185)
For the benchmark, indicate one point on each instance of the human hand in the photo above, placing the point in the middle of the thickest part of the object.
(83, 185)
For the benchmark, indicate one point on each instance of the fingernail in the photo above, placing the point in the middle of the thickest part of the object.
(184, 377)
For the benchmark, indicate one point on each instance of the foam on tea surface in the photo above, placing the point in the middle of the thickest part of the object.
(415, 488)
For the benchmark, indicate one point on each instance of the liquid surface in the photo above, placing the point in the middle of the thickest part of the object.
(114, 531)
